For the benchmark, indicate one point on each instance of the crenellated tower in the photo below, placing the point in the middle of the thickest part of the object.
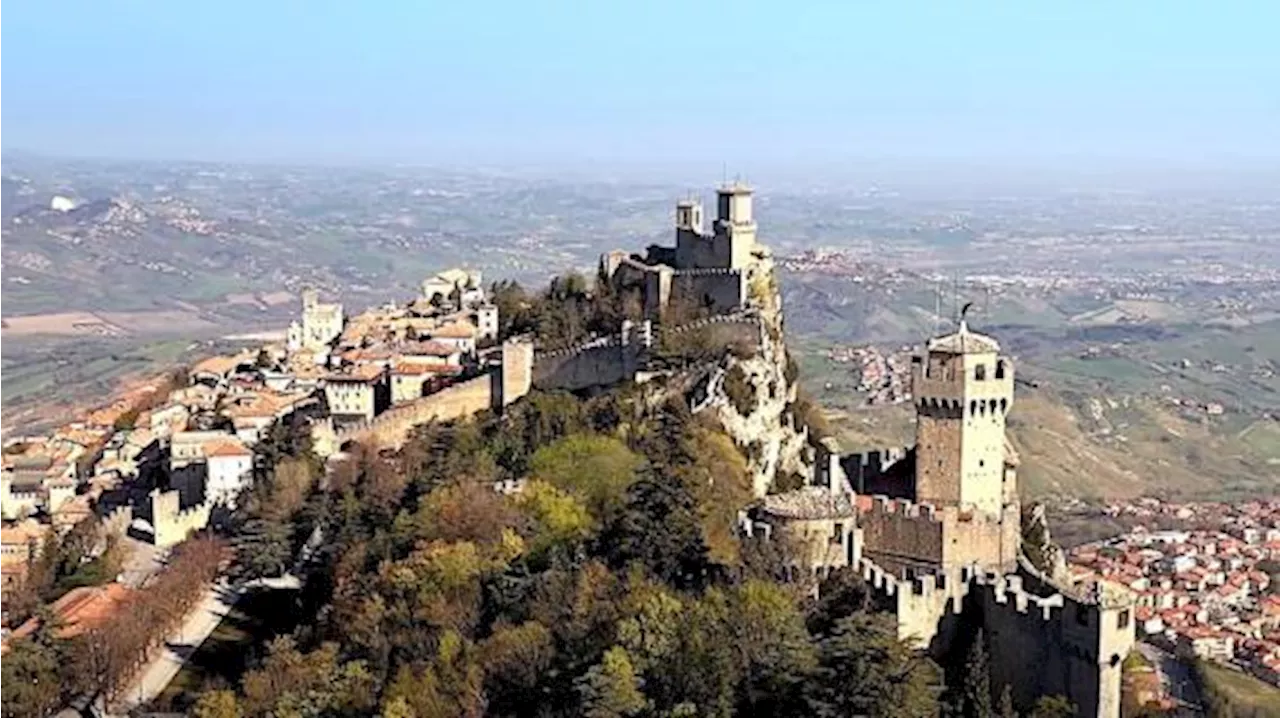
(963, 389)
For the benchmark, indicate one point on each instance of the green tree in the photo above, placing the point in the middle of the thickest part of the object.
(559, 519)
(32, 684)
(774, 654)
(611, 689)
(660, 528)
(866, 671)
(976, 691)
(1053, 707)
(264, 548)
(597, 469)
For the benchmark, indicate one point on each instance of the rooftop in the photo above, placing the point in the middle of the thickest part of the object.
(963, 341)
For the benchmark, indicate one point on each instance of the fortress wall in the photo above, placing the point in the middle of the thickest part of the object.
(605, 364)
(721, 290)
(391, 428)
(863, 469)
(1038, 645)
(724, 329)
(906, 537)
(1024, 634)
(902, 537)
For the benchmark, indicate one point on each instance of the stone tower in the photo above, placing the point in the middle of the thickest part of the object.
(735, 226)
(963, 389)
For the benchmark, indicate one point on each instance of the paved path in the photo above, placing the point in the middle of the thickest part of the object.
(179, 647)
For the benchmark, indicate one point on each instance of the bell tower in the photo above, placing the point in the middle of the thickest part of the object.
(963, 389)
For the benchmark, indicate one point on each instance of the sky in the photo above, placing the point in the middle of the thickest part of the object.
(749, 83)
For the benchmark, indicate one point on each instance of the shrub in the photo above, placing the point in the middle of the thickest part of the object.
(739, 390)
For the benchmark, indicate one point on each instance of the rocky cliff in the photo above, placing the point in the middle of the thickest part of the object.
(751, 390)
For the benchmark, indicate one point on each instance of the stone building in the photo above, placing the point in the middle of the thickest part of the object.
(953, 501)
(359, 394)
(939, 528)
(820, 525)
(321, 324)
(709, 271)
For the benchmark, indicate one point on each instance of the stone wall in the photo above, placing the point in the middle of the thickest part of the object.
(607, 362)
(865, 470)
(173, 524)
(1038, 644)
(720, 290)
(906, 538)
(392, 427)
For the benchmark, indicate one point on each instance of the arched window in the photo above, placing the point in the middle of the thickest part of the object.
(1000, 369)
(980, 372)
(973, 408)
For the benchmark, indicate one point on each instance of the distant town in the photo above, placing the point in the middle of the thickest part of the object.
(1208, 591)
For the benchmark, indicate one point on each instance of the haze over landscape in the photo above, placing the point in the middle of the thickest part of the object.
(279, 263)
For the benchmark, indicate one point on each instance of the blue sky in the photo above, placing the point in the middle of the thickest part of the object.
(802, 81)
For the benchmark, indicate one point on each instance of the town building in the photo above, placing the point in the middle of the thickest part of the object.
(321, 324)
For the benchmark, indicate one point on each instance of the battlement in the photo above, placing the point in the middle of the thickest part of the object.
(1008, 590)
(626, 337)
(882, 505)
(708, 271)
(748, 316)
(879, 471)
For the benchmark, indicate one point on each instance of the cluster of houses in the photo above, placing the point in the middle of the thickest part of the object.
(158, 463)
(1207, 592)
(394, 353)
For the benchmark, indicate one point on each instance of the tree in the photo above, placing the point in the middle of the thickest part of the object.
(1053, 707)
(264, 549)
(864, 670)
(1006, 703)
(976, 691)
(450, 685)
(772, 649)
(611, 688)
(31, 685)
(559, 519)
(842, 594)
(597, 469)
(217, 704)
(515, 659)
(660, 528)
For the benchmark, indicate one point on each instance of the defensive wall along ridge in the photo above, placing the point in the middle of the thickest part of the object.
(1040, 641)
(598, 363)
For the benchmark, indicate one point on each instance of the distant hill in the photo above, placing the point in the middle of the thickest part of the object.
(1111, 409)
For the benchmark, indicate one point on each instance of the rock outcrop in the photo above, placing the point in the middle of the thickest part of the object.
(751, 394)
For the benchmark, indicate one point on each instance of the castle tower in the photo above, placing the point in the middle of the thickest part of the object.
(689, 216)
(735, 234)
(963, 389)
(310, 298)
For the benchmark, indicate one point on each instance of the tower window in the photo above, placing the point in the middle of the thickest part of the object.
(980, 372)
(1000, 369)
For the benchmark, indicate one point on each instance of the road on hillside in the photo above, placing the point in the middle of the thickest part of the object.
(201, 622)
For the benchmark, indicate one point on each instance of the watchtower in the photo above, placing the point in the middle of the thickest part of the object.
(963, 388)
(735, 225)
